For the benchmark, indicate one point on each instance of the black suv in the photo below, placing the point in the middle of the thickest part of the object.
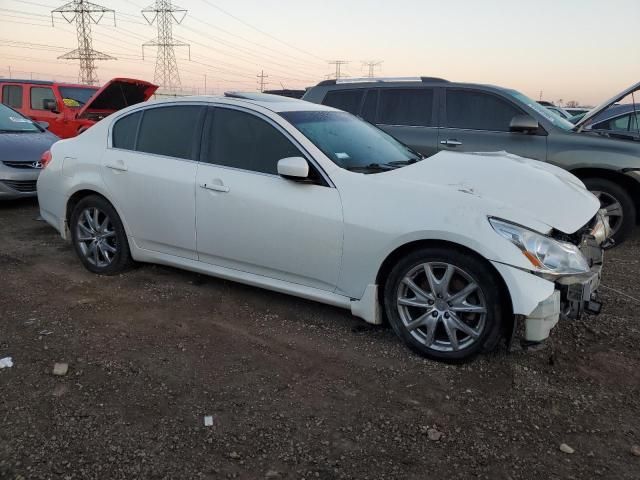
(432, 114)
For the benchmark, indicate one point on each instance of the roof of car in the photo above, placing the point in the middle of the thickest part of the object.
(397, 82)
(275, 103)
(18, 80)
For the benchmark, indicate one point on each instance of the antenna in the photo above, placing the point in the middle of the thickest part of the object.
(84, 14)
(163, 13)
(261, 83)
(371, 64)
(338, 64)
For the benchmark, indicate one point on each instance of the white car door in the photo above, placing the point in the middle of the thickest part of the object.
(250, 219)
(150, 172)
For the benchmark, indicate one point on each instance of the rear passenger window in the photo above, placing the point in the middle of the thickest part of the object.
(369, 106)
(12, 95)
(478, 111)
(170, 131)
(347, 100)
(124, 132)
(244, 141)
(40, 96)
(406, 107)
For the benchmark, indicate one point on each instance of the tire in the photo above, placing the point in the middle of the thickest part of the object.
(413, 311)
(615, 199)
(101, 245)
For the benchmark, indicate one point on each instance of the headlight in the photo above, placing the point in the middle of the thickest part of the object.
(546, 255)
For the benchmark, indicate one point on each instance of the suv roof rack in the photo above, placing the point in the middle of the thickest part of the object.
(259, 97)
(382, 80)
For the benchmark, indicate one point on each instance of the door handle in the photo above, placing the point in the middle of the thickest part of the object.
(450, 143)
(215, 187)
(119, 166)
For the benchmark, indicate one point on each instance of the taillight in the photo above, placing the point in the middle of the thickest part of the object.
(45, 159)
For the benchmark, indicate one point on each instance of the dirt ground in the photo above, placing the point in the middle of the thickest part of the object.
(296, 389)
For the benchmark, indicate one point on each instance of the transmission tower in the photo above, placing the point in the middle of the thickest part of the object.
(371, 64)
(84, 14)
(338, 64)
(164, 13)
(261, 83)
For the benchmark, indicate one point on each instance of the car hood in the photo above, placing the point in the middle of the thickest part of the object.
(531, 190)
(604, 105)
(117, 94)
(25, 147)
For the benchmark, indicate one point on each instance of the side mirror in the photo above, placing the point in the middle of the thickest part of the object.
(51, 105)
(523, 124)
(43, 124)
(293, 168)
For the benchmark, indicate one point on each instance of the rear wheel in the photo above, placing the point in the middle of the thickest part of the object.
(98, 237)
(618, 204)
(444, 304)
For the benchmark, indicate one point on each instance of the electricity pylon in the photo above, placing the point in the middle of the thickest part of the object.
(338, 64)
(84, 14)
(372, 64)
(164, 13)
(261, 83)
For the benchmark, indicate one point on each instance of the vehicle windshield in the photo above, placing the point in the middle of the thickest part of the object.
(75, 97)
(12, 122)
(351, 143)
(551, 116)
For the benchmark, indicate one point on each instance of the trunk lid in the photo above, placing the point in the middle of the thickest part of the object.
(117, 94)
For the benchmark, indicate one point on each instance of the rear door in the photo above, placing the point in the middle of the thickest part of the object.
(478, 121)
(410, 115)
(150, 170)
(12, 96)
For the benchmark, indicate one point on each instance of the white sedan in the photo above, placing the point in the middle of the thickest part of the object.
(304, 199)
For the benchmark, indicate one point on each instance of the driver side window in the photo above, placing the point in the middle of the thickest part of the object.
(241, 140)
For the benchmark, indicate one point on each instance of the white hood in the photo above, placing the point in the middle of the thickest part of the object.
(541, 192)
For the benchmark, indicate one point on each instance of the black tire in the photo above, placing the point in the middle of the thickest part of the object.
(613, 190)
(121, 259)
(477, 269)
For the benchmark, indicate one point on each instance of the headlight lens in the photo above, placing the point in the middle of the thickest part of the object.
(546, 255)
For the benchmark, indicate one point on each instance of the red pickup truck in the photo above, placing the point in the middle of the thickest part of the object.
(70, 109)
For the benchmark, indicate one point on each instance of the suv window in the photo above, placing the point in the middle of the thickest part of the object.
(242, 140)
(347, 100)
(406, 107)
(12, 95)
(39, 95)
(478, 111)
(124, 131)
(170, 130)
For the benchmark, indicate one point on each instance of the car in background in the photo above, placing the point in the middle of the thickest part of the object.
(309, 200)
(22, 145)
(68, 108)
(573, 111)
(556, 109)
(432, 115)
(622, 119)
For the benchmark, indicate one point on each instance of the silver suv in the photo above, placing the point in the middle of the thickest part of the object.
(432, 114)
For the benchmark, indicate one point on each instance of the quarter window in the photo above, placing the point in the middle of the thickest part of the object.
(40, 96)
(124, 131)
(170, 131)
(478, 111)
(242, 140)
(12, 95)
(406, 107)
(347, 100)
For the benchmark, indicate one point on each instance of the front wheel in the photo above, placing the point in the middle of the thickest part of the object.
(444, 304)
(617, 203)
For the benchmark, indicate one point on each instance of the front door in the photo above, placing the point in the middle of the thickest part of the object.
(477, 121)
(250, 219)
(150, 173)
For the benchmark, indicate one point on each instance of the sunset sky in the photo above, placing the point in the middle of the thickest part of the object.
(580, 50)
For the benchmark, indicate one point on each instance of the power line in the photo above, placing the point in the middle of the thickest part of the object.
(84, 13)
(163, 13)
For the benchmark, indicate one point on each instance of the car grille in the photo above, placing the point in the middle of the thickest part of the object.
(28, 165)
(23, 186)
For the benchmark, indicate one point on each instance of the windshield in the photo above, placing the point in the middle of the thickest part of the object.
(553, 117)
(75, 97)
(12, 122)
(351, 143)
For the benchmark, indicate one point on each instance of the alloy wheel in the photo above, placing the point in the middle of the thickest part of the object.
(96, 237)
(442, 306)
(613, 209)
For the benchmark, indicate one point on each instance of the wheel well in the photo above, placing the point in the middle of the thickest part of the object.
(75, 199)
(393, 258)
(620, 178)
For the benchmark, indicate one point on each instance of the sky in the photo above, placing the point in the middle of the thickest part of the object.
(582, 50)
